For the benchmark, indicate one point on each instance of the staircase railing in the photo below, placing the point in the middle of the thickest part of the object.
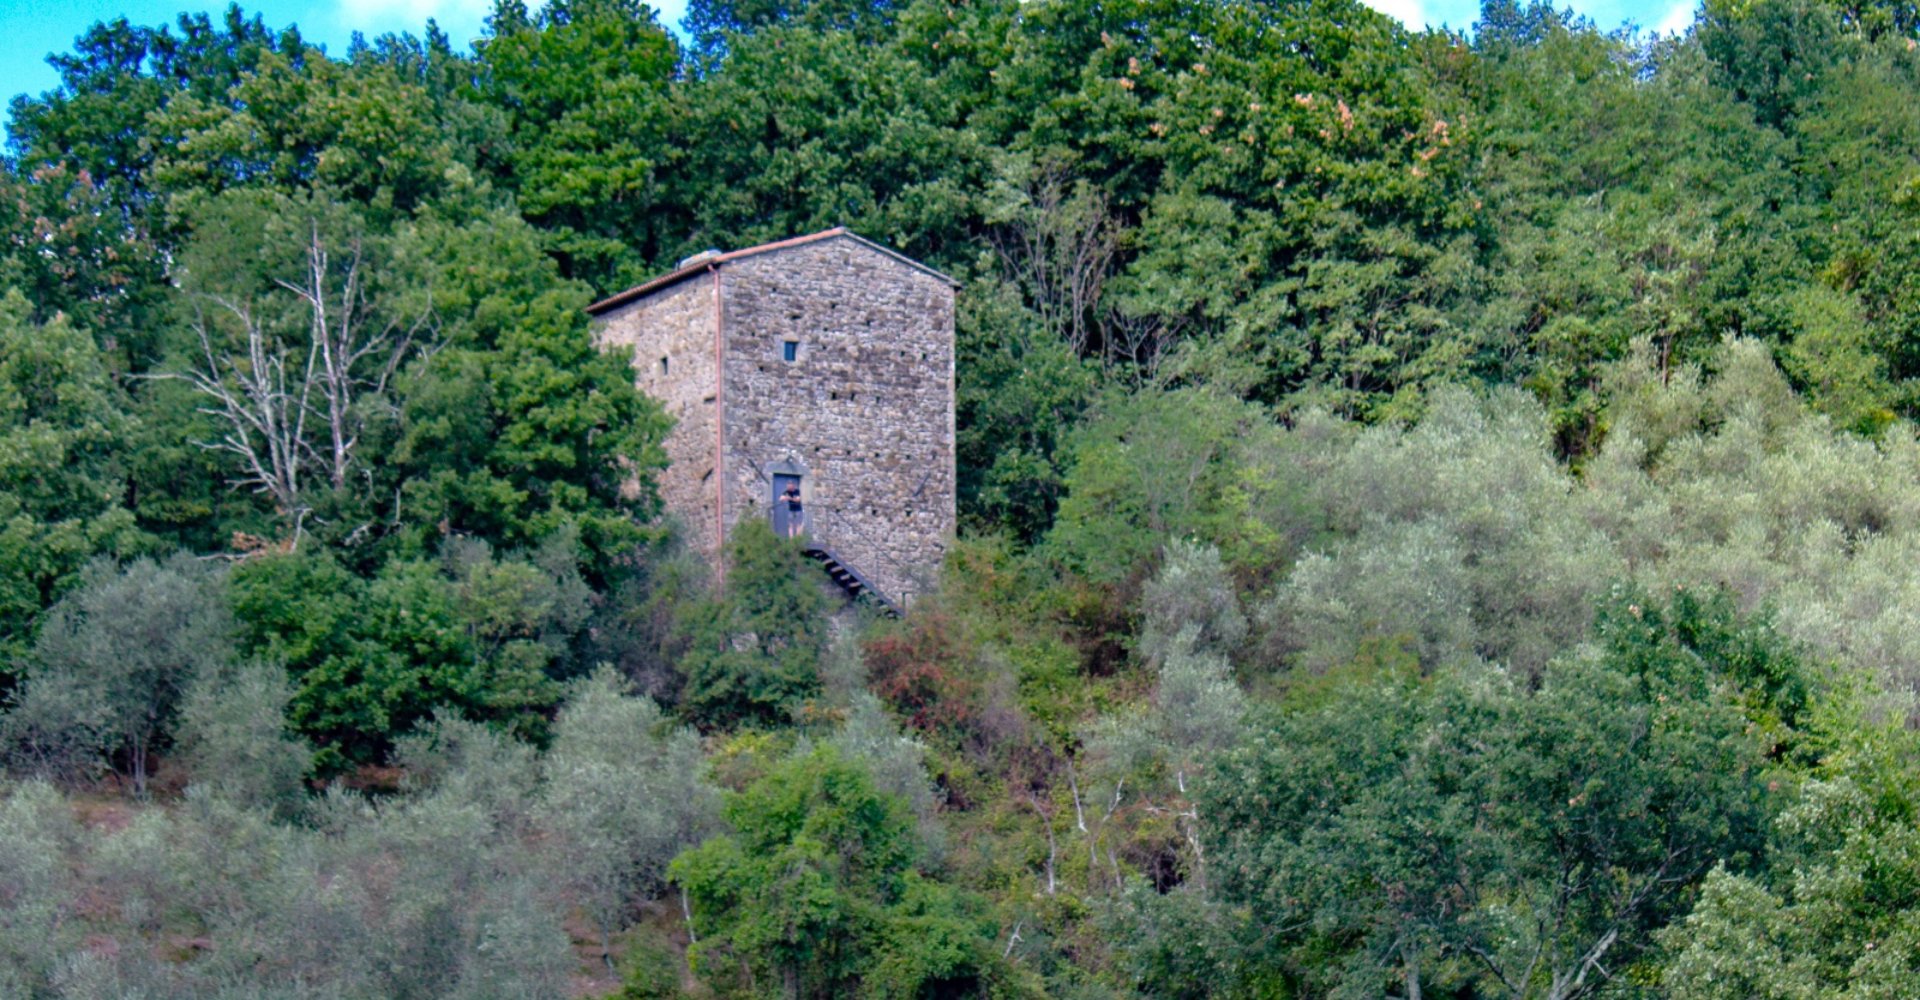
(852, 580)
(840, 529)
(838, 534)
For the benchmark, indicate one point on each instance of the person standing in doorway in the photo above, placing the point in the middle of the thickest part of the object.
(795, 515)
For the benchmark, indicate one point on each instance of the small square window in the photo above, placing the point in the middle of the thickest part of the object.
(790, 350)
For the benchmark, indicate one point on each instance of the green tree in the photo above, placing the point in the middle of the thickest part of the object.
(712, 23)
(807, 129)
(753, 649)
(584, 88)
(298, 318)
(1836, 911)
(70, 250)
(1190, 463)
(61, 468)
(299, 121)
(132, 639)
(1023, 391)
(1625, 190)
(1466, 830)
(815, 894)
(372, 658)
(521, 428)
(120, 73)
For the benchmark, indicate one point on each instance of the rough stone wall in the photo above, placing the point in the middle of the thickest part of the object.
(865, 411)
(677, 324)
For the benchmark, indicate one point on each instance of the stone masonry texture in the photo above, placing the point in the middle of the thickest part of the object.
(672, 336)
(864, 414)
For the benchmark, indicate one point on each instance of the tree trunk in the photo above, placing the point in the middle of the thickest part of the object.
(137, 759)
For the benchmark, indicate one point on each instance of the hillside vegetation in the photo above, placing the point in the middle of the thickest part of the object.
(1439, 512)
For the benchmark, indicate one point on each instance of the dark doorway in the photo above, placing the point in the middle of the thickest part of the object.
(789, 516)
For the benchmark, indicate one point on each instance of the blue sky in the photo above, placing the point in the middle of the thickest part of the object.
(1663, 16)
(34, 28)
(30, 29)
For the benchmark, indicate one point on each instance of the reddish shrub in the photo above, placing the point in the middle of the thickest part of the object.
(919, 668)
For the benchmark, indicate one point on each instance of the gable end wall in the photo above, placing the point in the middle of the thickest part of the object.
(867, 410)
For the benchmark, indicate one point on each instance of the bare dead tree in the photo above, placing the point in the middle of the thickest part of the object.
(1141, 341)
(1013, 938)
(286, 419)
(1046, 813)
(1059, 243)
(261, 393)
(345, 332)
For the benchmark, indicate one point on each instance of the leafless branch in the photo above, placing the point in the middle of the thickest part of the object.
(250, 373)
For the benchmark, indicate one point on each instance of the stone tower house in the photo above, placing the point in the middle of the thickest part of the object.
(824, 362)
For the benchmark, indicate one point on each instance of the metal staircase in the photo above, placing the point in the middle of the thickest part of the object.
(849, 579)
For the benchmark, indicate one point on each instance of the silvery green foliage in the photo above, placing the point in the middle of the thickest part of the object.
(134, 862)
(426, 895)
(1394, 580)
(1464, 537)
(1153, 752)
(1457, 536)
(36, 889)
(896, 762)
(624, 793)
(518, 951)
(1191, 591)
(1766, 498)
(1195, 711)
(125, 644)
(843, 671)
(58, 730)
(466, 761)
(259, 891)
(462, 911)
(1193, 620)
(418, 896)
(1197, 706)
(234, 740)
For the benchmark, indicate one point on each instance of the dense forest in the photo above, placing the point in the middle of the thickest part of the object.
(1440, 512)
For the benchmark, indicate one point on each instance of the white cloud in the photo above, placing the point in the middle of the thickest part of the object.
(1411, 13)
(1678, 19)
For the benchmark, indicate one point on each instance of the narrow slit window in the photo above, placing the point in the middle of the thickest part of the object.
(663, 366)
(790, 350)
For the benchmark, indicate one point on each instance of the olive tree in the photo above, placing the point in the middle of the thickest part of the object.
(36, 888)
(623, 795)
(119, 652)
(1154, 751)
(235, 741)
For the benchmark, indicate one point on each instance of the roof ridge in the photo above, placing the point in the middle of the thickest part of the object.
(700, 265)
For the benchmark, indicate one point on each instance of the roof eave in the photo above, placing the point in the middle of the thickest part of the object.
(647, 288)
(680, 274)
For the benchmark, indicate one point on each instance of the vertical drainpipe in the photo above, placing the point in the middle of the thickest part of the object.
(720, 431)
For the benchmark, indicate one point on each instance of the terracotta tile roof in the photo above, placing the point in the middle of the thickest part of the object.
(707, 262)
